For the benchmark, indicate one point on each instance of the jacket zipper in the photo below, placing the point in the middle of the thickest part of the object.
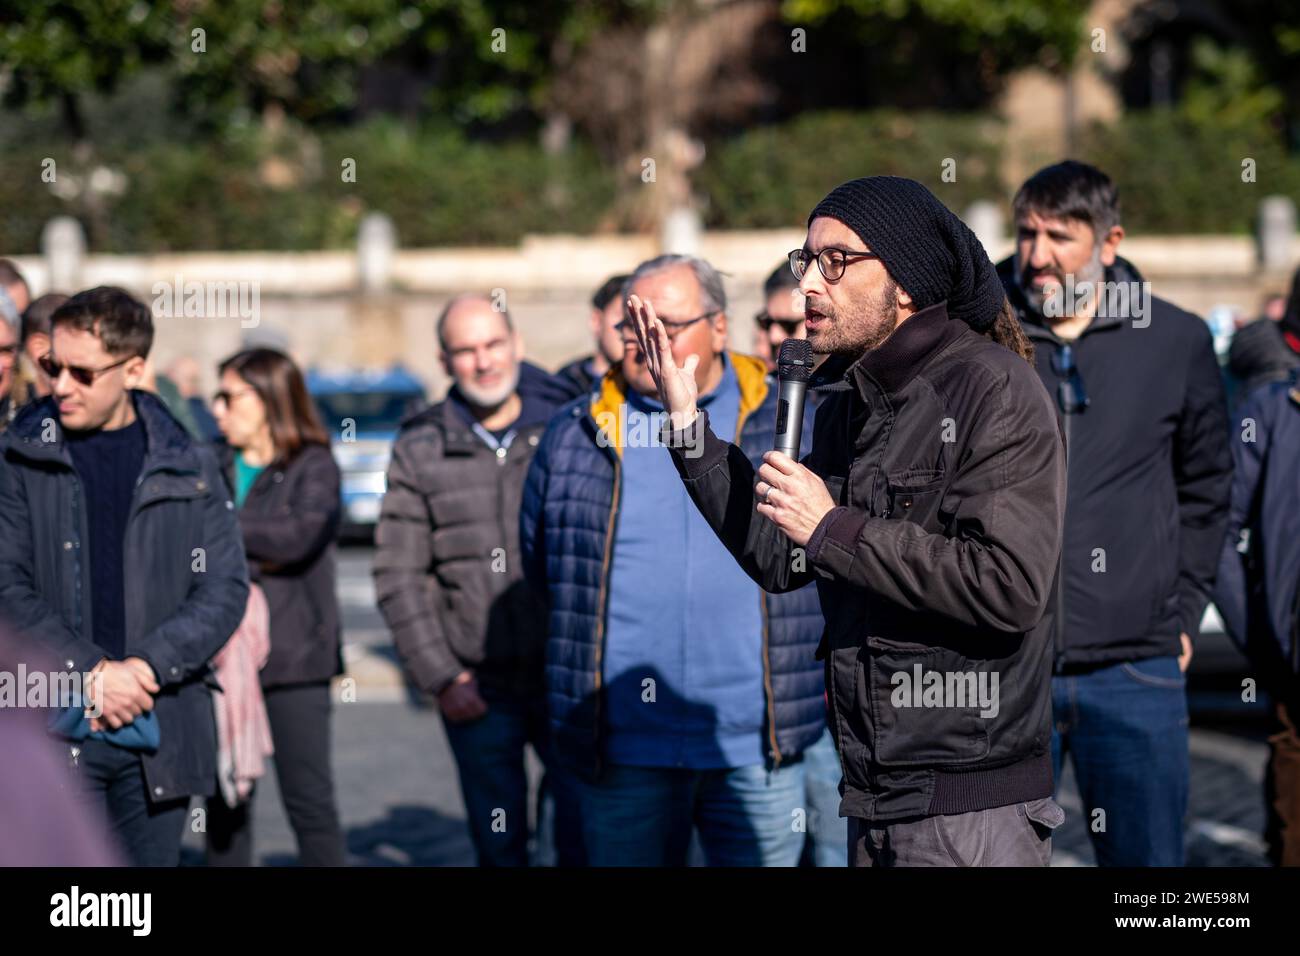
(502, 458)
(604, 606)
(1058, 626)
(76, 523)
(1295, 635)
(832, 707)
(1058, 630)
(775, 751)
(768, 692)
(504, 454)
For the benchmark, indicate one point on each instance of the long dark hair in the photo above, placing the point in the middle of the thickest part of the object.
(290, 412)
(1007, 331)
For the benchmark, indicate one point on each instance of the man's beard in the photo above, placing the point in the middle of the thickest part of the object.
(1092, 272)
(851, 332)
(489, 398)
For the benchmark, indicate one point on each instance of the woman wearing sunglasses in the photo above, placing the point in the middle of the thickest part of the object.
(286, 484)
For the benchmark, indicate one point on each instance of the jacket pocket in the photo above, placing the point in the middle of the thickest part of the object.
(929, 706)
(1162, 672)
(1159, 561)
(914, 495)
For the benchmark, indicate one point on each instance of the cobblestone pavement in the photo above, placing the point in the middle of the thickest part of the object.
(400, 801)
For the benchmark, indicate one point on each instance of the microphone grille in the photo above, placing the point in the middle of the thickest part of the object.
(795, 361)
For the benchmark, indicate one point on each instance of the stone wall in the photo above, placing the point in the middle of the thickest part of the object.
(309, 303)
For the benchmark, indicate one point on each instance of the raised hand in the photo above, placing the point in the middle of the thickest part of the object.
(678, 389)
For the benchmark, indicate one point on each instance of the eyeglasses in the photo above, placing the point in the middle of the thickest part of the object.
(673, 329)
(80, 374)
(832, 262)
(790, 326)
(225, 397)
(1070, 393)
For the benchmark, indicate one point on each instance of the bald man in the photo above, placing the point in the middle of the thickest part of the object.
(448, 571)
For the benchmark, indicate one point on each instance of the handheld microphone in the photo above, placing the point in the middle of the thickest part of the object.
(794, 369)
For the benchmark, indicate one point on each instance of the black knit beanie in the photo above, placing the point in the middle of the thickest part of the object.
(931, 253)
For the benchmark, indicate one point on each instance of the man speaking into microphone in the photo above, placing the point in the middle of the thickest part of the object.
(667, 735)
(929, 514)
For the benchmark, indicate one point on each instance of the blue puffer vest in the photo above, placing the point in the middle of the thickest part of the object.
(571, 501)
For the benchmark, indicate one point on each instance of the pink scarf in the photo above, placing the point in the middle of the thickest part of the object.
(243, 731)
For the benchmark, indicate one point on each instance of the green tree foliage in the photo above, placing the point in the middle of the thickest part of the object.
(439, 187)
(936, 53)
(484, 60)
(59, 51)
(1228, 88)
(1178, 175)
(1271, 29)
(772, 177)
(1013, 29)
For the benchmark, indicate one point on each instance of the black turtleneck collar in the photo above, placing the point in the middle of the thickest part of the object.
(892, 364)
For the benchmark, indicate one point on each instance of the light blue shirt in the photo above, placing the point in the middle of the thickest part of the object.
(683, 666)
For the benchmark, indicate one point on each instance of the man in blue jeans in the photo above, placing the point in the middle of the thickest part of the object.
(1149, 471)
(680, 692)
(448, 579)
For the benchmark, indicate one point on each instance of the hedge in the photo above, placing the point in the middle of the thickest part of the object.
(773, 176)
(441, 188)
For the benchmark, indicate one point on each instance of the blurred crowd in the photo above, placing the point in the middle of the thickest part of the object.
(549, 581)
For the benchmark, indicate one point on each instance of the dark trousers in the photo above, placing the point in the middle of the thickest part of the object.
(1019, 834)
(300, 730)
(1282, 790)
(489, 756)
(111, 779)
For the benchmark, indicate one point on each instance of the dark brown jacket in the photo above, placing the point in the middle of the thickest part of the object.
(946, 460)
(447, 569)
(289, 522)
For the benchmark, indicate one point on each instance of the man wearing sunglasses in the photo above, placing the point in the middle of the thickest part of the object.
(1145, 418)
(681, 694)
(928, 514)
(781, 317)
(120, 553)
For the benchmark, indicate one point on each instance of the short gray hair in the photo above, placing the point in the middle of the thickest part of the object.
(713, 296)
